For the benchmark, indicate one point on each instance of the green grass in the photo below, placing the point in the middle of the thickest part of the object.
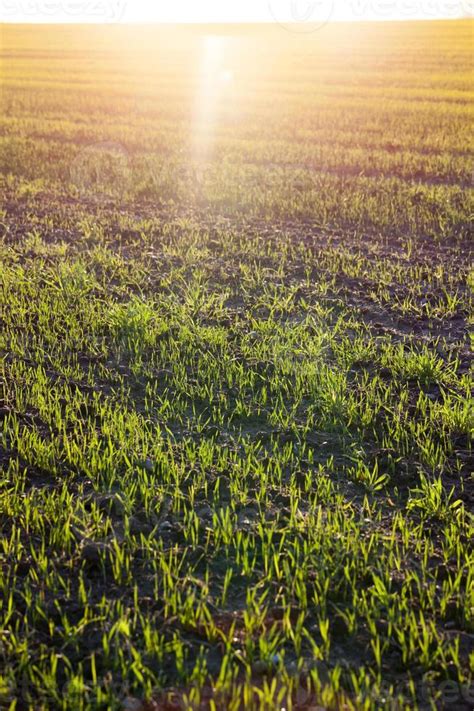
(237, 424)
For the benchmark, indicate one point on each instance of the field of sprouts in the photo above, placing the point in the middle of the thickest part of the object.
(236, 417)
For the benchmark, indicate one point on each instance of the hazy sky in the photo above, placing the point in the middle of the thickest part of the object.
(319, 11)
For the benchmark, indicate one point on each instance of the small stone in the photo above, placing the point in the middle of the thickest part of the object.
(147, 464)
(264, 666)
(165, 527)
(204, 512)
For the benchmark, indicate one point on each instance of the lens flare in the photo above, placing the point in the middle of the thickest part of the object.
(213, 80)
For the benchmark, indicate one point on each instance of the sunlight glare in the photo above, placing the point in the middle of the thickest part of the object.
(213, 79)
